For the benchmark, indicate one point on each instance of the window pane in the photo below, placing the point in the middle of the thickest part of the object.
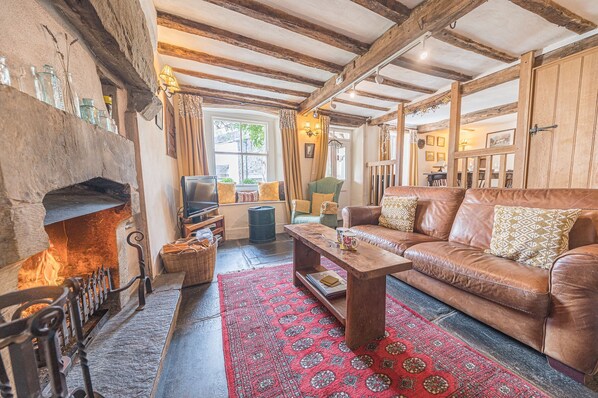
(227, 136)
(340, 163)
(228, 166)
(255, 168)
(254, 137)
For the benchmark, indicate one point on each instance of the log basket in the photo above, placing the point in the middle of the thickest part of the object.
(196, 258)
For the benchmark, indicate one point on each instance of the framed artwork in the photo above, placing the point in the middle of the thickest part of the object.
(440, 156)
(430, 140)
(170, 129)
(429, 156)
(500, 138)
(159, 119)
(309, 150)
(440, 141)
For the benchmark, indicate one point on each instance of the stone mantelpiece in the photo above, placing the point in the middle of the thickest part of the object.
(44, 149)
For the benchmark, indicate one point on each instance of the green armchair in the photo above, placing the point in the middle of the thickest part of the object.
(327, 215)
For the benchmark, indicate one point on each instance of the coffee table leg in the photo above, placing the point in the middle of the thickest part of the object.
(366, 310)
(303, 257)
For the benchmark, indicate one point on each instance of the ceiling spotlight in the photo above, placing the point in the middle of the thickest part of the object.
(424, 53)
(316, 113)
(352, 91)
(378, 78)
(332, 104)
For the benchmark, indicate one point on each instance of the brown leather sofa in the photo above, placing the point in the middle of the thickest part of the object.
(554, 311)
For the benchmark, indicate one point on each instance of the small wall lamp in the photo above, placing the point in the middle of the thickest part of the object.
(309, 132)
(463, 143)
(169, 84)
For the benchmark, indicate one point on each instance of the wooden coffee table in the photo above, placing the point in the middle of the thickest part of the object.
(363, 309)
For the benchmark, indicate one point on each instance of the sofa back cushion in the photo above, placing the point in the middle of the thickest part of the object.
(436, 208)
(475, 218)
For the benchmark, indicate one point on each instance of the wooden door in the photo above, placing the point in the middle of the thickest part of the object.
(566, 94)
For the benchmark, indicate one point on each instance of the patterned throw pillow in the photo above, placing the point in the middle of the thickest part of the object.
(531, 236)
(247, 196)
(268, 190)
(226, 192)
(398, 212)
(317, 199)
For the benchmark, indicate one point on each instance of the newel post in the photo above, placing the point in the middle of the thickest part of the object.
(400, 142)
(453, 136)
(524, 110)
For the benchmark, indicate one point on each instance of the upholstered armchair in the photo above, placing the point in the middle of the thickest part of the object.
(305, 211)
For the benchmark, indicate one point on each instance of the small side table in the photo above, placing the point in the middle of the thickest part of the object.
(215, 223)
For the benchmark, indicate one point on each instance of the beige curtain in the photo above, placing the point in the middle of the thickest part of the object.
(290, 156)
(190, 141)
(413, 161)
(318, 167)
(384, 141)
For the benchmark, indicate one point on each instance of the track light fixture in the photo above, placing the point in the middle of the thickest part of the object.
(316, 113)
(352, 91)
(378, 78)
(424, 52)
(332, 103)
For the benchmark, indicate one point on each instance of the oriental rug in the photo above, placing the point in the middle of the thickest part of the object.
(279, 341)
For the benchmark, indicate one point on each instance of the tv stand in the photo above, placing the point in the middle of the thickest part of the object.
(215, 223)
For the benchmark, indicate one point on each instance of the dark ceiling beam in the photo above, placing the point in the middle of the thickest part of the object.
(242, 97)
(292, 23)
(389, 9)
(241, 83)
(431, 15)
(472, 117)
(198, 56)
(343, 119)
(557, 14)
(361, 105)
(199, 29)
(427, 69)
(455, 39)
(402, 85)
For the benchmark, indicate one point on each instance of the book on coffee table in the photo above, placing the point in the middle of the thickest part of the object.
(329, 283)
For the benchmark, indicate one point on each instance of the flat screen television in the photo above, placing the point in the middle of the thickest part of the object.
(200, 195)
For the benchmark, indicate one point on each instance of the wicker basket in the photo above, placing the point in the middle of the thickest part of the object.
(197, 263)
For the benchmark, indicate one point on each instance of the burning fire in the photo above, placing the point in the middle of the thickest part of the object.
(48, 267)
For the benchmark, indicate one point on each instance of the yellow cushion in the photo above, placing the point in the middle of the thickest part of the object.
(398, 213)
(268, 191)
(226, 192)
(316, 201)
(531, 236)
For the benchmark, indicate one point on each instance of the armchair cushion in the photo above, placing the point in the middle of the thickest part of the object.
(316, 201)
(329, 208)
(301, 206)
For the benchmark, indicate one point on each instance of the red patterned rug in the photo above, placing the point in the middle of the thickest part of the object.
(279, 341)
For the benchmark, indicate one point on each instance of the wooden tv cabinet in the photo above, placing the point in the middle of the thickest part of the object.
(217, 227)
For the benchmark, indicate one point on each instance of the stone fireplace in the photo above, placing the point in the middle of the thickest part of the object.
(68, 196)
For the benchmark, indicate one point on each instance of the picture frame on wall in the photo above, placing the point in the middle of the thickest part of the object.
(440, 156)
(440, 141)
(500, 138)
(430, 140)
(159, 119)
(429, 156)
(170, 130)
(310, 149)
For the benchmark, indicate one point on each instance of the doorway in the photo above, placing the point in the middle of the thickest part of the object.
(339, 163)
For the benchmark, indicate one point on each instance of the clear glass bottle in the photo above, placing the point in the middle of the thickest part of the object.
(4, 72)
(103, 120)
(52, 87)
(89, 111)
(72, 99)
(37, 86)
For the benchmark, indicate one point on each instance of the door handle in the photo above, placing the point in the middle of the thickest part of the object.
(536, 129)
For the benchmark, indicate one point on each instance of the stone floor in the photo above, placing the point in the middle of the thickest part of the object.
(194, 365)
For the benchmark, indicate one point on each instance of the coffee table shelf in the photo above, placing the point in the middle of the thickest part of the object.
(337, 306)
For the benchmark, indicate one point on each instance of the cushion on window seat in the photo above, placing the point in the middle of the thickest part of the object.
(390, 239)
(503, 281)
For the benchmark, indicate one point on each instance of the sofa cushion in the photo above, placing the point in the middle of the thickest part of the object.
(398, 212)
(496, 279)
(390, 239)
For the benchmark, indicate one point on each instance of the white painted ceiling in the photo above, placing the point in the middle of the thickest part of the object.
(497, 23)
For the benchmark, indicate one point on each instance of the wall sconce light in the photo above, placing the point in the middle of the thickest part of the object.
(169, 84)
(462, 144)
(309, 132)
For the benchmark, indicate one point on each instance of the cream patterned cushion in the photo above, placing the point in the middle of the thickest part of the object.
(398, 213)
(531, 236)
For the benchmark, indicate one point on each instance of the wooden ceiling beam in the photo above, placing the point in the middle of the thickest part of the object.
(198, 56)
(265, 13)
(241, 83)
(380, 97)
(565, 51)
(199, 29)
(427, 69)
(472, 117)
(455, 39)
(389, 9)
(344, 119)
(246, 98)
(557, 14)
(402, 85)
(361, 105)
(431, 15)
(217, 102)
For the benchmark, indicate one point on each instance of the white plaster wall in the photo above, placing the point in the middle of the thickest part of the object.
(236, 219)
(364, 149)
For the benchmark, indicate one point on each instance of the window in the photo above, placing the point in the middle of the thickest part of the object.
(240, 150)
(337, 163)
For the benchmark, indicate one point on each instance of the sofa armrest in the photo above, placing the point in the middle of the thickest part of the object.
(572, 326)
(361, 215)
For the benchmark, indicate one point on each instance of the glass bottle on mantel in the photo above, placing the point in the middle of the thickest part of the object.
(4, 72)
(39, 91)
(52, 87)
(88, 111)
(72, 99)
